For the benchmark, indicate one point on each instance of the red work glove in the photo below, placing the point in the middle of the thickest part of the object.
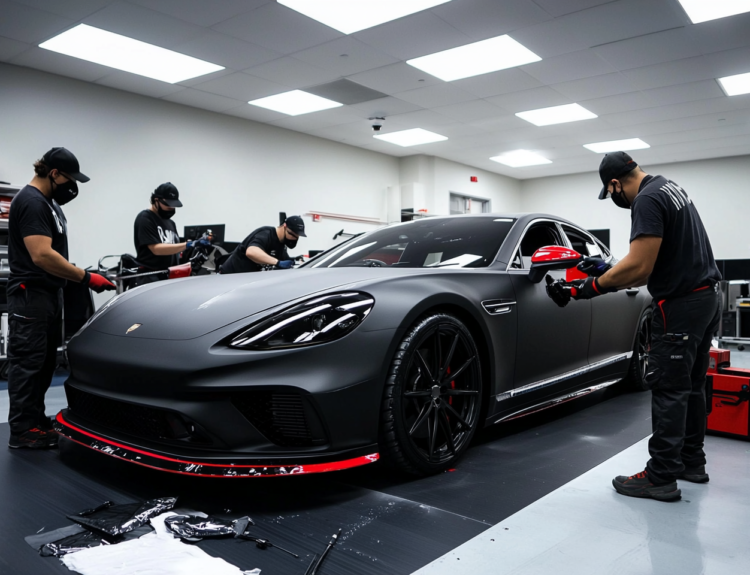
(97, 282)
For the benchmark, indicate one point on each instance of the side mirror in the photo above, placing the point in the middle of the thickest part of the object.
(551, 258)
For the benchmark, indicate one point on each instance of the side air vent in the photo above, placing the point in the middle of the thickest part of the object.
(286, 418)
(498, 306)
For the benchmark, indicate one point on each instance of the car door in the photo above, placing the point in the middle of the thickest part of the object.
(551, 340)
(613, 316)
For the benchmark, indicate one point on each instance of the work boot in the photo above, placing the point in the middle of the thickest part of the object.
(33, 439)
(639, 485)
(46, 425)
(695, 474)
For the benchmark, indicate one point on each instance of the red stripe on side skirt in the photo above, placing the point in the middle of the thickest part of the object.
(663, 315)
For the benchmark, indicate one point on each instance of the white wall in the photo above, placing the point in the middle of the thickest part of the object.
(718, 187)
(228, 170)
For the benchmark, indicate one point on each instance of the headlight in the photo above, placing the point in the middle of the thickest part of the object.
(315, 321)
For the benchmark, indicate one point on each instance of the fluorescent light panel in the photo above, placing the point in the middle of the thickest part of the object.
(129, 55)
(521, 159)
(736, 85)
(704, 10)
(475, 59)
(295, 103)
(414, 137)
(617, 146)
(350, 16)
(557, 115)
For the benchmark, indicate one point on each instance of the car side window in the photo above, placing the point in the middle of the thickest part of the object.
(537, 236)
(582, 243)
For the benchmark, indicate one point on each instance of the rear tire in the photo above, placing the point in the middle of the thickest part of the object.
(635, 380)
(432, 398)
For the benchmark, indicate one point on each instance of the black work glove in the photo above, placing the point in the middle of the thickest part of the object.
(588, 288)
(594, 266)
(285, 264)
(558, 291)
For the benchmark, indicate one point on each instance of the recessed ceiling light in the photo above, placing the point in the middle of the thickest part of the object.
(557, 115)
(617, 146)
(123, 53)
(736, 85)
(295, 103)
(413, 137)
(520, 159)
(704, 10)
(349, 16)
(475, 59)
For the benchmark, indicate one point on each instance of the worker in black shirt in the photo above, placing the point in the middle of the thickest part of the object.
(266, 246)
(155, 236)
(39, 269)
(670, 251)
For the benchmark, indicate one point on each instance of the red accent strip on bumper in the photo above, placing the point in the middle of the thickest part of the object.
(198, 469)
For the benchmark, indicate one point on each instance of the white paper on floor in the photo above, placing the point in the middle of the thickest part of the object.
(157, 553)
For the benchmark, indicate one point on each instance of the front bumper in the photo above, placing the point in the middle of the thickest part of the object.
(216, 467)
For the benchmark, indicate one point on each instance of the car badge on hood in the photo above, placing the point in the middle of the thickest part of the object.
(133, 327)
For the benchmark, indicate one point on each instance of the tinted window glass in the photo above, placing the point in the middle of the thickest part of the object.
(538, 236)
(582, 243)
(431, 242)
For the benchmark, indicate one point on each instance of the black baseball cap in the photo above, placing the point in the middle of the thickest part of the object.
(295, 224)
(613, 166)
(168, 194)
(63, 160)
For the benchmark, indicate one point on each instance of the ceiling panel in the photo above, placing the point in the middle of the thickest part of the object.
(278, 28)
(595, 87)
(395, 78)
(204, 100)
(27, 24)
(729, 62)
(323, 119)
(426, 119)
(438, 95)
(650, 49)
(481, 19)
(722, 34)
(543, 97)
(255, 113)
(143, 24)
(10, 48)
(71, 9)
(226, 51)
(201, 12)
(669, 73)
(618, 103)
(58, 64)
(240, 86)
(496, 83)
(138, 84)
(346, 56)
(566, 67)
(291, 72)
(384, 108)
(684, 93)
(674, 112)
(562, 7)
(473, 111)
(416, 35)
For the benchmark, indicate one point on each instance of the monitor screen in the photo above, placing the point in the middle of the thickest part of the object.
(195, 232)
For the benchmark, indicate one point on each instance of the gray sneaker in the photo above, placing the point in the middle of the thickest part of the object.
(695, 474)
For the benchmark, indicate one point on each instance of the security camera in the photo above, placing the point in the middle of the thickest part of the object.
(377, 124)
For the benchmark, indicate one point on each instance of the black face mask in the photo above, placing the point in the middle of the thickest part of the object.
(620, 200)
(291, 244)
(165, 214)
(65, 192)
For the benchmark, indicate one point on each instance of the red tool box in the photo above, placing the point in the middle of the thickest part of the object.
(728, 395)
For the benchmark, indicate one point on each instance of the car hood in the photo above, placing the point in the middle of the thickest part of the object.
(190, 308)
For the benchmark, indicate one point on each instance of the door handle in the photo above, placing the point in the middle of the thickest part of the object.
(632, 291)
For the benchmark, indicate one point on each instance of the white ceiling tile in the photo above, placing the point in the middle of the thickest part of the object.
(241, 86)
(684, 93)
(71, 9)
(138, 84)
(27, 24)
(481, 19)
(707, 121)
(226, 51)
(315, 120)
(426, 119)
(58, 64)
(504, 124)
(496, 83)
(204, 100)
(722, 34)
(533, 99)
(278, 28)
(669, 73)
(416, 35)
(704, 134)
(383, 108)
(395, 78)
(345, 56)
(292, 72)
(355, 134)
(672, 112)
(651, 49)
(473, 111)
(567, 67)
(255, 113)
(438, 95)
(201, 12)
(595, 87)
(561, 7)
(618, 103)
(599, 25)
(10, 48)
(729, 62)
(143, 24)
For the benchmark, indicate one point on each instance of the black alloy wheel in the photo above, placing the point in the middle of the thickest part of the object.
(639, 362)
(432, 397)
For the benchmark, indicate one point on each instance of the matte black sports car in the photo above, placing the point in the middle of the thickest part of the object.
(396, 345)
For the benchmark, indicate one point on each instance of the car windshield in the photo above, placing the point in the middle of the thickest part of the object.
(428, 243)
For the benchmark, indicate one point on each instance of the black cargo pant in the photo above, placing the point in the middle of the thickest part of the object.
(34, 333)
(682, 329)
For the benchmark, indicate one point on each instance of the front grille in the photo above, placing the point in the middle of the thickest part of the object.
(136, 420)
(285, 418)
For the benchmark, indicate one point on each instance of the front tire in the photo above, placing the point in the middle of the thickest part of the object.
(432, 397)
(638, 368)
